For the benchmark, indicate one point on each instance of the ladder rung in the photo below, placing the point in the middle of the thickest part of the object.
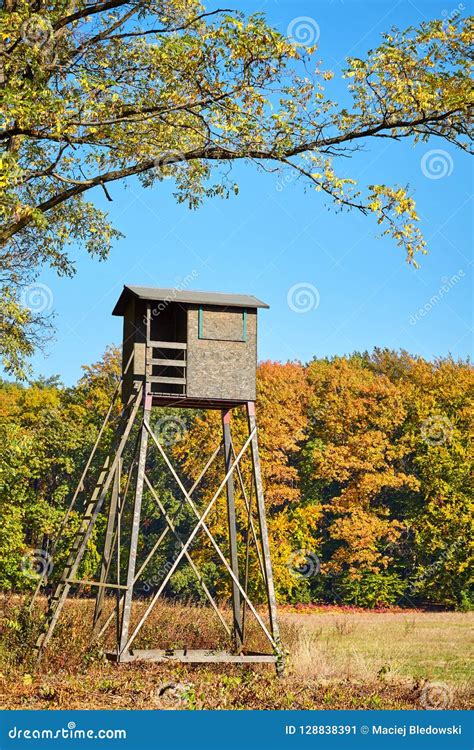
(162, 379)
(96, 583)
(169, 362)
(167, 345)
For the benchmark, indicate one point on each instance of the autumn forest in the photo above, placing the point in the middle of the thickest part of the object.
(366, 467)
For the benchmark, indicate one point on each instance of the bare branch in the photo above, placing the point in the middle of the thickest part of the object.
(89, 10)
(172, 29)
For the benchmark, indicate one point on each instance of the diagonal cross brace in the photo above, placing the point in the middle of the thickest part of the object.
(201, 519)
(195, 570)
(190, 538)
(160, 539)
(199, 525)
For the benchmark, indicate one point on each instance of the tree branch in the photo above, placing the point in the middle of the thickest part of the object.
(89, 11)
(172, 29)
(217, 153)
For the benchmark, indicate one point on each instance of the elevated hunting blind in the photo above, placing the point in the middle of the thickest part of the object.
(183, 349)
(200, 346)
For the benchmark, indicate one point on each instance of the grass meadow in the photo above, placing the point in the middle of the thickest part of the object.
(336, 658)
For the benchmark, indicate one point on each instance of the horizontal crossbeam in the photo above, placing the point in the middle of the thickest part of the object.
(167, 345)
(104, 585)
(168, 362)
(163, 379)
(192, 656)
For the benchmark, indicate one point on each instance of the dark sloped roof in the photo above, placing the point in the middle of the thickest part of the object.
(187, 296)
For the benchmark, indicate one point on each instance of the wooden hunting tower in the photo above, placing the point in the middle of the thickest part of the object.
(183, 349)
(202, 345)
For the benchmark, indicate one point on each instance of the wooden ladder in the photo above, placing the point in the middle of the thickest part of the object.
(93, 508)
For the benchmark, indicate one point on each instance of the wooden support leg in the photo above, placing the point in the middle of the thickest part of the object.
(262, 520)
(118, 543)
(127, 603)
(232, 525)
(108, 545)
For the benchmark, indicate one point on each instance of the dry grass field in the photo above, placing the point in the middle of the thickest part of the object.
(336, 659)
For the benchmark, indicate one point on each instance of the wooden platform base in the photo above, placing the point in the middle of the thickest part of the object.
(192, 656)
(187, 402)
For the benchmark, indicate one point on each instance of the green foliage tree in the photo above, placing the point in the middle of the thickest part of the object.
(434, 552)
(94, 93)
(47, 432)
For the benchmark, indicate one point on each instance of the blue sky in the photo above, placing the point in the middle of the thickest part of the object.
(274, 236)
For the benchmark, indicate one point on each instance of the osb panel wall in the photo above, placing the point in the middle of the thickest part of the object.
(222, 324)
(221, 369)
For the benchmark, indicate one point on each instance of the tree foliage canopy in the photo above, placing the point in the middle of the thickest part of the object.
(97, 92)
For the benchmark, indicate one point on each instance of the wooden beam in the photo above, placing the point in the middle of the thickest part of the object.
(262, 521)
(95, 583)
(232, 528)
(163, 379)
(192, 656)
(168, 362)
(167, 345)
(137, 506)
(108, 543)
